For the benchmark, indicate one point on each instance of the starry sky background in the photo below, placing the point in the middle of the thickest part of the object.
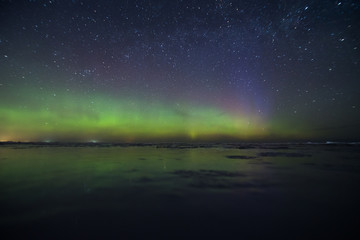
(179, 70)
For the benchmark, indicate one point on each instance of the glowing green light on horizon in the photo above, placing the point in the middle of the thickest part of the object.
(74, 119)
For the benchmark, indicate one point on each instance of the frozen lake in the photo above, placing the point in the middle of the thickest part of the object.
(249, 191)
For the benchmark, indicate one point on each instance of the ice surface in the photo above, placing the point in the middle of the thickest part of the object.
(73, 191)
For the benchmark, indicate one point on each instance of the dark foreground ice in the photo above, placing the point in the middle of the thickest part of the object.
(179, 191)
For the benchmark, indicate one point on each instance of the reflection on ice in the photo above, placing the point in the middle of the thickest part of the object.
(203, 190)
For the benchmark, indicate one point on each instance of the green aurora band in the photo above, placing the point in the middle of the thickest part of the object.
(105, 119)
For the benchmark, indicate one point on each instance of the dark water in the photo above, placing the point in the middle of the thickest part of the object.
(225, 192)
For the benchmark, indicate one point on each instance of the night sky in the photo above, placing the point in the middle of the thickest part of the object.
(140, 71)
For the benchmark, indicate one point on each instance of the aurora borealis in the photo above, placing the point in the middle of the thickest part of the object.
(133, 71)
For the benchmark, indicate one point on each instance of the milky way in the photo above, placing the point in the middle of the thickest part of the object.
(179, 70)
